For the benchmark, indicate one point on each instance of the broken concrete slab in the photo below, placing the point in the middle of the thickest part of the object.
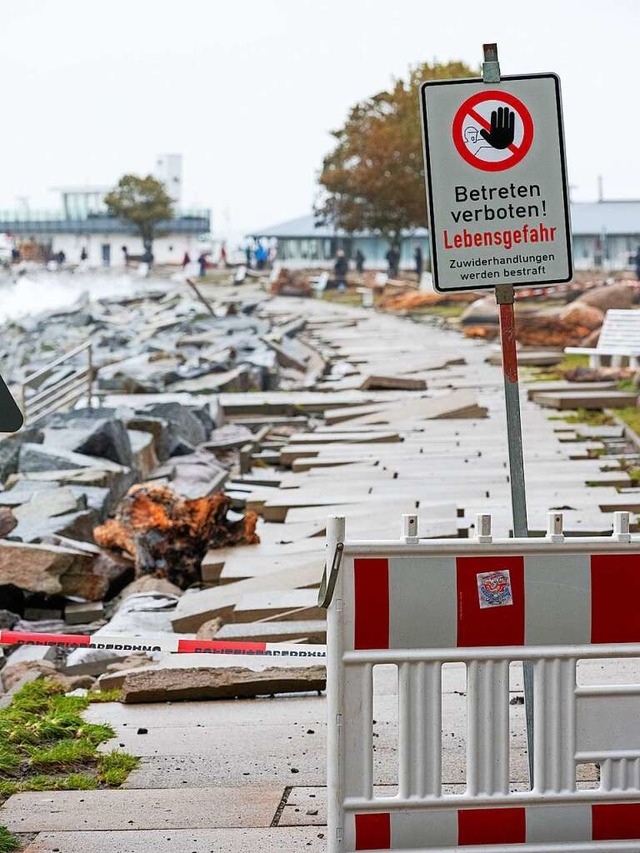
(311, 631)
(401, 383)
(304, 839)
(586, 399)
(283, 604)
(139, 810)
(82, 613)
(194, 608)
(49, 503)
(208, 681)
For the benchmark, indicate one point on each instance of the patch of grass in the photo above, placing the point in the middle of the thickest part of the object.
(45, 744)
(114, 767)
(8, 789)
(456, 309)
(631, 416)
(552, 374)
(349, 297)
(97, 696)
(62, 755)
(9, 760)
(590, 417)
(8, 842)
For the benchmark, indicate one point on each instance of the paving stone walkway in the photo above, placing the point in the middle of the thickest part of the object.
(232, 776)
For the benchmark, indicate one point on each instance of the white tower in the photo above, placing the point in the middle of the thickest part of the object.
(169, 171)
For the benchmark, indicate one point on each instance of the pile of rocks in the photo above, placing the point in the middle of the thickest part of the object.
(156, 341)
(62, 480)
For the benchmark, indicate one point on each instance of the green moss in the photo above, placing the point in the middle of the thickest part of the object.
(114, 767)
(8, 842)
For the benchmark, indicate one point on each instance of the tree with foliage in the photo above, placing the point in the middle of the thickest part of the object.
(374, 178)
(144, 202)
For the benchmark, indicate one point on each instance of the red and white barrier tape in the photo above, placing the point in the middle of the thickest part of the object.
(177, 644)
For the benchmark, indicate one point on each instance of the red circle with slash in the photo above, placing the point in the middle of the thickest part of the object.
(468, 110)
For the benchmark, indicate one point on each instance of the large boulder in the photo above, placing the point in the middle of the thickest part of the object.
(193, 424)
(582, 314)
(482, 311)
(608, 296)
(39, 568)
(106, 439)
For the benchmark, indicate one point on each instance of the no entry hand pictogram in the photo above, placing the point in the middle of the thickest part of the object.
(492, 131)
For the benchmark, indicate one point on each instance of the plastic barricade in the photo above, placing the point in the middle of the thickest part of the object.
(486, 605)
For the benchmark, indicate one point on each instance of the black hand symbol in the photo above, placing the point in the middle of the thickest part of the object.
(502, 128)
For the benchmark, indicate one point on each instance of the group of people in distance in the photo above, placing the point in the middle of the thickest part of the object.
(341, 264)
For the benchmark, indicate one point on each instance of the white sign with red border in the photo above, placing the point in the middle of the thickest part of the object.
(496, 182)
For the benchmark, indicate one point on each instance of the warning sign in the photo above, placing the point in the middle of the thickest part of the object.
(496, 182)
(492, 131)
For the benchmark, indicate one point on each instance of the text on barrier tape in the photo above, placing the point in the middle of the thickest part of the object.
(123, 643)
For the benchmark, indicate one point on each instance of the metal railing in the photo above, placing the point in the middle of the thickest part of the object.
(37, 404)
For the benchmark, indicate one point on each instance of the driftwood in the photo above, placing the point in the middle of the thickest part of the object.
(168, 536)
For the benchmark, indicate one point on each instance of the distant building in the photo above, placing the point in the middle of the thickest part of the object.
(606, 235)
(84, 223)
(169, 171)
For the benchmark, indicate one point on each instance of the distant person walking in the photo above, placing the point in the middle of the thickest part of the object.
(393, 262)
(125, 255)
(84, 254)
(261, 256)
(340, 269)
(202, 262)
(417, 256)
(360, 259)
(186, 260)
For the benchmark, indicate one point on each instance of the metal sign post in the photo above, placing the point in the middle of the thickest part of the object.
(497, 198)
(505, 300)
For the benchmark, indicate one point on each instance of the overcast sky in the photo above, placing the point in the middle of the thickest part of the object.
(248, 90)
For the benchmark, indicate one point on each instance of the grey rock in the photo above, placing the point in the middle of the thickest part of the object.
(159, 428)
(8, 620)
(63, 419)
(74, 525)
(91, 497)
(9, 457)
(24, 654)
(48, 504)
(190, 424)
(108, 439)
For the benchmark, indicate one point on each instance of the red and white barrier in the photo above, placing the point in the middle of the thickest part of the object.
(485, 604)
(122, 643)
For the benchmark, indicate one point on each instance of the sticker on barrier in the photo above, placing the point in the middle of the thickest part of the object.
(484, 606)
(177, 644)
